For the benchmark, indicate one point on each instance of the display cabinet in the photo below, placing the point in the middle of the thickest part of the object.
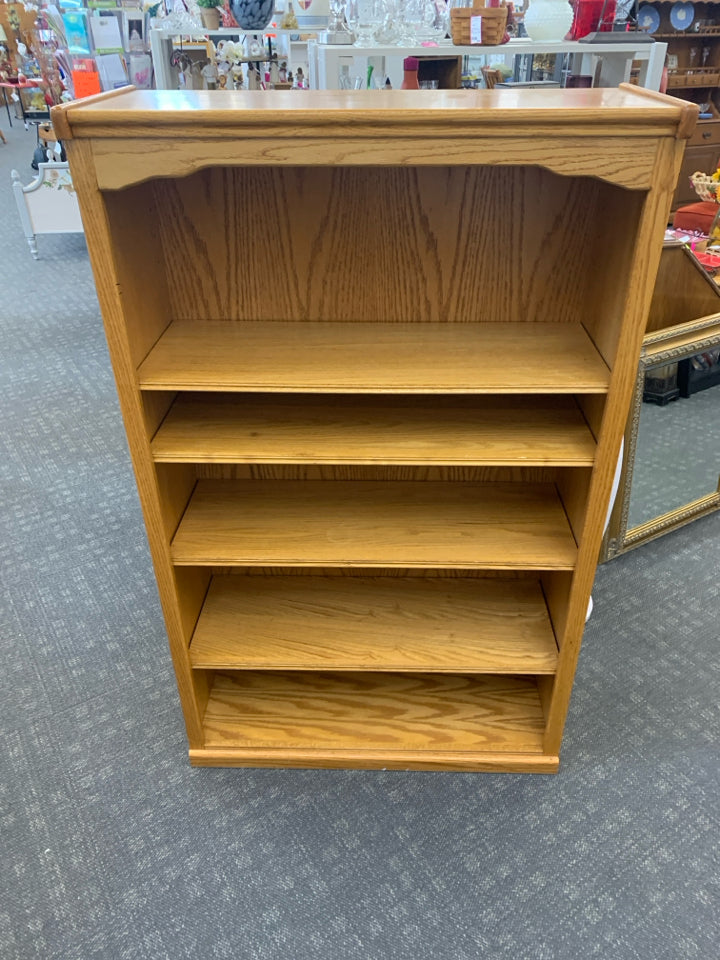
(374, 355)
(701, 154)
(692, 34)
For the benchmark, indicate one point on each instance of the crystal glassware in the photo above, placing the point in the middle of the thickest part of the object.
(370, 15)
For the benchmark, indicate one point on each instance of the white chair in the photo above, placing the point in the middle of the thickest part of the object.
(48, 204)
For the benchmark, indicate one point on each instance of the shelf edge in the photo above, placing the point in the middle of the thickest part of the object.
(370, 760)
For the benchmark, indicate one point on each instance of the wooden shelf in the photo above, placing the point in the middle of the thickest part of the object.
(254, 428)
(375, 623)
(687, 79)
(375, 357)
(367, 436)
(374, 720)
(501, 526)
(688, 35)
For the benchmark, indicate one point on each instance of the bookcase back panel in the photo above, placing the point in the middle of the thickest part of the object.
(431, 573)
(211, 471)
(344, 244)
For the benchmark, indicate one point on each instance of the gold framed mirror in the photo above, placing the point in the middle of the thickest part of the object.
(671, 463)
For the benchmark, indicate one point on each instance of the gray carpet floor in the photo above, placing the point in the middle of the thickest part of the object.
(114, 847)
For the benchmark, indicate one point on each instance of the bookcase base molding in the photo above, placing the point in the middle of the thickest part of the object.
(374, 355)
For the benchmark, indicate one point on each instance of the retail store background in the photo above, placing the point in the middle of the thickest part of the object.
(114, 847)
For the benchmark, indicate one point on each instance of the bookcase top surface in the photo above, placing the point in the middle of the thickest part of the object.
(131, 112)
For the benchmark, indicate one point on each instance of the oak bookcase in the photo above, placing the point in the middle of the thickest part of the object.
(374, 353)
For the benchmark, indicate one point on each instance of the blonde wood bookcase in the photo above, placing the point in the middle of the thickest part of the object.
(374, 354)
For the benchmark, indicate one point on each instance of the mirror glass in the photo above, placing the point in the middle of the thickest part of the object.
(677, 460)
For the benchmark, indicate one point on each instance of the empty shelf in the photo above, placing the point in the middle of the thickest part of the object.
(381, 623)
(374, 357)
(375, 524)
(252, 428)
(374, 720)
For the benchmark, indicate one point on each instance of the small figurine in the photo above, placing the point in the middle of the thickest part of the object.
(237, 76)
(274, 70)
(283, 72)
(253, 77)
(300, 78)
(210, 75)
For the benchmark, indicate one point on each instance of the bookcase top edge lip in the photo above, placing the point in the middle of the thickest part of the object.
(168, 111)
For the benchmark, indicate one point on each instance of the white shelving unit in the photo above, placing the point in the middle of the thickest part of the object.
(325, 61)
(162, 42)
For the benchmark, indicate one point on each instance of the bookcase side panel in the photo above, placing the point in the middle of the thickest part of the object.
(641, 272)
(123, 266)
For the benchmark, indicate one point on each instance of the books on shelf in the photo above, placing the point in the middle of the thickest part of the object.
(106, 32)
(77, 32)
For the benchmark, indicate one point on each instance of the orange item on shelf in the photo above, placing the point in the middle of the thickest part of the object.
(85, 83)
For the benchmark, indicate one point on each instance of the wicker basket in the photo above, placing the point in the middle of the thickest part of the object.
(705, 187)
(494, 21)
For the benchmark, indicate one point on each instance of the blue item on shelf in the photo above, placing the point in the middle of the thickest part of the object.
(648, 18)
(682, 15)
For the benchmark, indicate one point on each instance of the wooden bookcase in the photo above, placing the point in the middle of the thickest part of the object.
(374, 354)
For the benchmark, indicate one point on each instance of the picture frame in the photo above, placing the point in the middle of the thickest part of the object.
(660, 349)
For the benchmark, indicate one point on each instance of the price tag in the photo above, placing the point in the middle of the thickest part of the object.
(475, 29)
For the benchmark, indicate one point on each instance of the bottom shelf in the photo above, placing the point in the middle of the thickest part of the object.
(374, 720)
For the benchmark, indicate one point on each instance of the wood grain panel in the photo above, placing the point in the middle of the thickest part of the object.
(573, 486)
(122, 267)
(642, 270)
(175, 485)
(444, 234)
(374, 712)
(311, 429)
(475, 762)
(625, 162)
(608, 289)
(501, 526)
(683, 291)
(479, 358)
(192, 586)
(155, 407)
(409, 472)
(556, 587)
(141, 277)
(593, 408)
(394, 572)
(315, 623)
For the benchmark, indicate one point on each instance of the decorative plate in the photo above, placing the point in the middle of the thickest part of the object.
(648, 18)
(682, 15)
